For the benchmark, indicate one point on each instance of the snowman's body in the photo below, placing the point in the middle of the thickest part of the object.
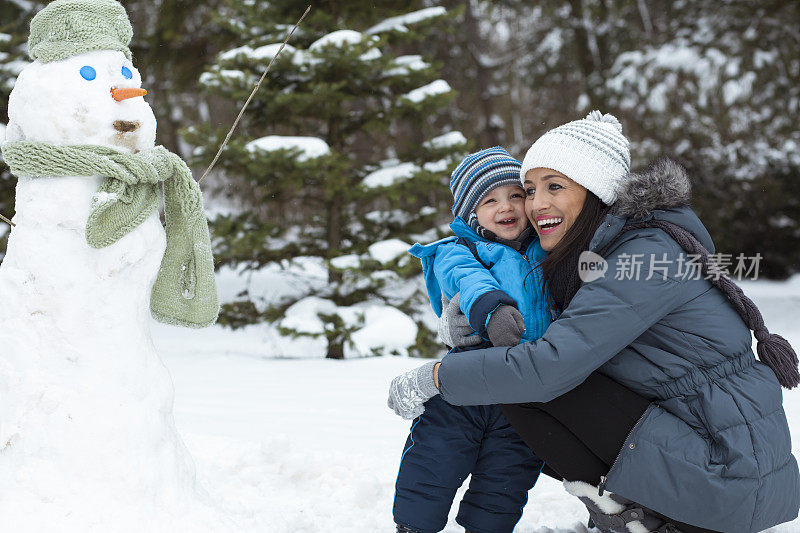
(87, 437)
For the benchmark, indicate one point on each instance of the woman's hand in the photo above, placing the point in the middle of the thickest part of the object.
(410, 390)
(454, 328)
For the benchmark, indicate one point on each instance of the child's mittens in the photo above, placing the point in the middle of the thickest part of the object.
(410, 390)
(506, 326)
(454, 328)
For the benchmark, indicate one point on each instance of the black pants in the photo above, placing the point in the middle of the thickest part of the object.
(579, 434)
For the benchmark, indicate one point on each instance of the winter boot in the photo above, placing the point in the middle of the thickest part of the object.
(611, 513)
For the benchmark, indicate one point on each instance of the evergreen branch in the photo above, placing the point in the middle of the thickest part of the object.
(255, 89)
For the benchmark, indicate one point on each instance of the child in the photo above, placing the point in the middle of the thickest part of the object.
(491, 262)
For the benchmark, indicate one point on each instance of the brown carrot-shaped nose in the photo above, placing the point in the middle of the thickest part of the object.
(125, 93)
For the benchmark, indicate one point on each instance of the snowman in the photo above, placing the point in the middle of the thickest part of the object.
(87, 436)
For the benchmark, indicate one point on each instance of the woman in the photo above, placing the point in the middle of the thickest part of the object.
(648, 399)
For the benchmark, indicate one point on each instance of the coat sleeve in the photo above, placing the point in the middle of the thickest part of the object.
(604, 317)
(457, 270)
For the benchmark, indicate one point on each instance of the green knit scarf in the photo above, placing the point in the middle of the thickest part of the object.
(185, 291)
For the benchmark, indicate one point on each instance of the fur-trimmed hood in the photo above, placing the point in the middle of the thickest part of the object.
(662, 192)
(663, 185)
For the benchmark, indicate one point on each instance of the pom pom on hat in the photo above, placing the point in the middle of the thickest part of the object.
(592, 151)
(608, 118)
(66, 28)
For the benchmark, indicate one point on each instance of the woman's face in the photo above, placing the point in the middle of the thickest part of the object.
(552, 203)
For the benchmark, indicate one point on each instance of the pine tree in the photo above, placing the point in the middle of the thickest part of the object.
(719, 88)
(715, 85)
(173, 40)
(339, 163)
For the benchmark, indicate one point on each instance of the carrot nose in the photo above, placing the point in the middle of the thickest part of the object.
(125, 93)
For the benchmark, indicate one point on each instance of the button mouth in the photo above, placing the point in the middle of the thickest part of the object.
(126, 126)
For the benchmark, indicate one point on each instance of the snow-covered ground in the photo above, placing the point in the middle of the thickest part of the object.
(308, 445)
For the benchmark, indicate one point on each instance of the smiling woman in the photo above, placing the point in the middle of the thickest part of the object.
(644, 394)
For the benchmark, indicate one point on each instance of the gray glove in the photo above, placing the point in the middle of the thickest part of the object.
(454, 328)
(410, 390)
(506, 326)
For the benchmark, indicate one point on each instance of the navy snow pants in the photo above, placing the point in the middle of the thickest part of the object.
(445, 445)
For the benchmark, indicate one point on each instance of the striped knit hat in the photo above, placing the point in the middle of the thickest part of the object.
(476, 176)
(593, 152)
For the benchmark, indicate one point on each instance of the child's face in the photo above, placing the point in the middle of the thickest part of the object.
(502, 211)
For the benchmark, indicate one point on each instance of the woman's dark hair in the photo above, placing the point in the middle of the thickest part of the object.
(560, 280)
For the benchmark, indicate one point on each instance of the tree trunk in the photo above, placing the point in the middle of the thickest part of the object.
(335, 344)
(583, 51)
(334, 242)
(335, 350)
(491, 133)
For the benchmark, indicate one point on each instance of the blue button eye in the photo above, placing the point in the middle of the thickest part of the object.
(88, 73)
(126, 72)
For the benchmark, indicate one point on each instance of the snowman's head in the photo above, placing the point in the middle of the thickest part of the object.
(89, 98)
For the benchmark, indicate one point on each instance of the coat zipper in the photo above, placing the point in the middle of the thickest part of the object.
(602, 486)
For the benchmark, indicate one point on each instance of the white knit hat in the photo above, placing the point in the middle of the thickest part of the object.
(592, 152)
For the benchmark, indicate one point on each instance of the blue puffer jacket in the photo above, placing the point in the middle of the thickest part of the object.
(506, 277)
(713, 449)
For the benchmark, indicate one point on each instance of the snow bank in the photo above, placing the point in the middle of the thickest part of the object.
(381, 328)
(337, 38)
(448, 140)
(434, 88)
(438, 166)
(386, 330)
(401, 22)
(274, 282)
(303, 316)
(406, 64)
(341, 38)
(212, 79)
(632, 70)
(388, 176)
(371, 55)
(346, 261)
(292, 446)
(263, 55)
(310, 147)
(262, 52)
(738, 89)
(232, 74)
(308, 446)
(388, 250)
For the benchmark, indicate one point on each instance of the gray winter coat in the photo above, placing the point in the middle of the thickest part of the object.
(713, 449)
